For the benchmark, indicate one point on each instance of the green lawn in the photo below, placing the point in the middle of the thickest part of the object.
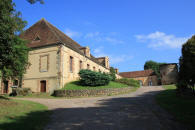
(75, 86)
(22, 115)
(183, 108)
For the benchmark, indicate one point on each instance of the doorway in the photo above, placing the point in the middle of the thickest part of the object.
(5, 86)
(140, 83)
(150, 83)
(43, 86)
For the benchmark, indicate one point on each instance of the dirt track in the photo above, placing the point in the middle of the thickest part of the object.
(134, 111)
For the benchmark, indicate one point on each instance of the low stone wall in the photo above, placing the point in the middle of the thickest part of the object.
(91, 92)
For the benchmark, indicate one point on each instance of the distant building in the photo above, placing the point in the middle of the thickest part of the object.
(145, 77)
(169, 73)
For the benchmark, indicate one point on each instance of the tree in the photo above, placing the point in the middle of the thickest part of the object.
(34, 1)
(187, 66)
(155, 66)
(13, 50)
(113, 73)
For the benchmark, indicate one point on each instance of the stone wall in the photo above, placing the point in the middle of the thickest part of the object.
(56, 70)
(91, 92)
(67, 75)
(169, 73)
(145, 80)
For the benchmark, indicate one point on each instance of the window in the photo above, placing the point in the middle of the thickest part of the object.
(88, 66)
(43, 63)
(37, 39)
(80, 65)
(15, 83)
(94, 68)
(71, 64)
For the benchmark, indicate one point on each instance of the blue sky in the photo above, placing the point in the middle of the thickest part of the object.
(129, 32)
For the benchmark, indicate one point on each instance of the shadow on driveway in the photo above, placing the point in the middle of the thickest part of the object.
(119, 113)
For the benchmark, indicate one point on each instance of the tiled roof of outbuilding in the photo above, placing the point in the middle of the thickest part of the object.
(134, 74)
(43, 33)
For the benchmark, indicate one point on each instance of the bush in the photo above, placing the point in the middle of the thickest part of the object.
(130, 82)
(112, 74)
(91, 78)
(21, 91)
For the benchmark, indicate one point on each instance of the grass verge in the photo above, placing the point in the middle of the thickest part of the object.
(75, 86)
(22, 115)
(182, 108)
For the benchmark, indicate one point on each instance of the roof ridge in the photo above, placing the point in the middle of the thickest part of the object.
(51, 25)
(47, 23)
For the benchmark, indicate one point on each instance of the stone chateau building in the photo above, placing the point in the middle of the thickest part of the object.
(145, 77)
(55, 59)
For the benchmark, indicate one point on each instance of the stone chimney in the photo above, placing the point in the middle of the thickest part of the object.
(104, 61)
(86, 51)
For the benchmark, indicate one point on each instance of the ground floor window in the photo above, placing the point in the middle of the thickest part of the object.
(5, 86)
(15, 83)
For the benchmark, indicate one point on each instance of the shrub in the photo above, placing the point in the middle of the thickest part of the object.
(21, 91)
(91, 78)
(130, 82)
(112, 74)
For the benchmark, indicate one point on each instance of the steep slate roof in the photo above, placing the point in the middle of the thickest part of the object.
(134, 74)
(47, 34)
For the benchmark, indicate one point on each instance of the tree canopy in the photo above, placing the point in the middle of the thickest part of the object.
(34, 1)
(13, 50)
(155, 66)
(187, 65)
(113, 73)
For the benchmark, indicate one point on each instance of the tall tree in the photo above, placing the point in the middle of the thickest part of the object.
(187, 65)
(34, 1)
(13, 50)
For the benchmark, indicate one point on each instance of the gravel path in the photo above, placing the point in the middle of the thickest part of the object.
(133, 111)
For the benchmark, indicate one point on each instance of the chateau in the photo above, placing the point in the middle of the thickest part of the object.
(55, 59)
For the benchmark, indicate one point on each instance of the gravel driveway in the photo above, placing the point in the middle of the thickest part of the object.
(133, 111)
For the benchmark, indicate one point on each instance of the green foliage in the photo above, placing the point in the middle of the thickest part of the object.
(13, 50)
(21, 91)
(23, 115)
(187, 66)
(112, 73)
(182, 108)
(91, 78)
(155, 66)
(130, 82)
(76, 86)
(34, 1)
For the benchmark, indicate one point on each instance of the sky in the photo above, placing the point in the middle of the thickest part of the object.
(130, 32)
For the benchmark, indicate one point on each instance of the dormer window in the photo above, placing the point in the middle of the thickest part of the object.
(37, 38)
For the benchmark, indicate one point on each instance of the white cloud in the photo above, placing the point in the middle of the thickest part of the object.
(101, 37)
(92, 34)
(114, 59)
(161, 39)
(72, 33)
(113, 40)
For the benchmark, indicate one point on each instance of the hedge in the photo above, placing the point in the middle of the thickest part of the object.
(130, 82)
(92, 78)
